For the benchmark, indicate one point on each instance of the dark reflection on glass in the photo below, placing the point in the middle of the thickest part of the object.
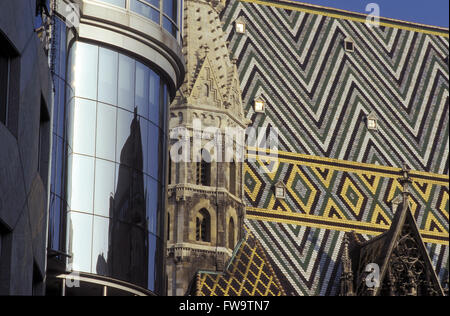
(104, 187)
(55, 222)
(152, 197)
(124, 120)
(100, 242)
(153, 147)
(128, 237)
(152, 249)
(116, 175)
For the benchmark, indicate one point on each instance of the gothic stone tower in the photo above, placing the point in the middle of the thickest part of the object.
(205, 195)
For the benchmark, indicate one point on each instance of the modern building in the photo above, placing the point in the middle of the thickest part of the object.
(25, 114)
(117, 65)
(353, 102)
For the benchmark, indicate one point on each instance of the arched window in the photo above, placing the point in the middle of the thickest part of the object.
(204, 169)
(206, 90)
(203, 226)
(232, 177)
(231, 232)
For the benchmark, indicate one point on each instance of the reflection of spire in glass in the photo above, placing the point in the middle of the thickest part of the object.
(118, 119)
(128, 230)
(109, 144)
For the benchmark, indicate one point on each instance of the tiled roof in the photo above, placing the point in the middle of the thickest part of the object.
(248, 274)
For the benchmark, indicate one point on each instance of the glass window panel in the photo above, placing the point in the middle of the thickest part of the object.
(107, 72)
(71, 72)
(56, 106)
(170, 9)
(119, 3)
(145, 10)
(144, 140)
(155, 99)
(80, 241)
(100, 246)
(54, 222)
(128, 253)
(84, 126)
(53, 166)
(165, 109)
(142, 91)
(153, 246)
(153, 202)
(82, 186)
(85, 70)
(154, 158)
(124, 129)
(169, 26)
(62, 48)
(126, 82)
(161, 213)
(106, 132)
(60, 100)
(153, 2)
(104, 187)
(69, 180)
(70, 121)
(59, 148)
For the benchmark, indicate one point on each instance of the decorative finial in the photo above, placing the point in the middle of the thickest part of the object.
(405, 181)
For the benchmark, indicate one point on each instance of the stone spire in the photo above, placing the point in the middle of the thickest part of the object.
(206, 206)
(208, 61)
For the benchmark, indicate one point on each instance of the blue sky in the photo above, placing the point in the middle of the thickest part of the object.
(431, 12)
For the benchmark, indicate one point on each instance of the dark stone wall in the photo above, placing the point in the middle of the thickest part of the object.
(24, 155)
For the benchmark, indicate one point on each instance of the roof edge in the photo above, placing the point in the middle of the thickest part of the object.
(354, 16)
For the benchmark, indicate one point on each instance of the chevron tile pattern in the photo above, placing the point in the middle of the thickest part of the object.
(318, 95)
(249, 273)
(340, 176)
(360, 198)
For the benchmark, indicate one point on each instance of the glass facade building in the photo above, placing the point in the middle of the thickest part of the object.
(163, 12)
(108, 179)
(116, 166)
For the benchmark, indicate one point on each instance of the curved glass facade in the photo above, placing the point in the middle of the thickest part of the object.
(116, 137)
(166, 13)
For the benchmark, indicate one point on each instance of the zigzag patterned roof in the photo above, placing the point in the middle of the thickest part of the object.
(340, 176)
(248, 274)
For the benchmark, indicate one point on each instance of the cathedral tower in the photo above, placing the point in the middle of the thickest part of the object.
(205, 194)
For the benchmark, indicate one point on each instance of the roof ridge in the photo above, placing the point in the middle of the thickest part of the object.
(340, 13)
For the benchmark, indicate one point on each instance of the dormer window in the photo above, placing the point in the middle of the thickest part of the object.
(240, 27)
(349, 45)
(280, 190)
(259, 106)
(372, 122)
